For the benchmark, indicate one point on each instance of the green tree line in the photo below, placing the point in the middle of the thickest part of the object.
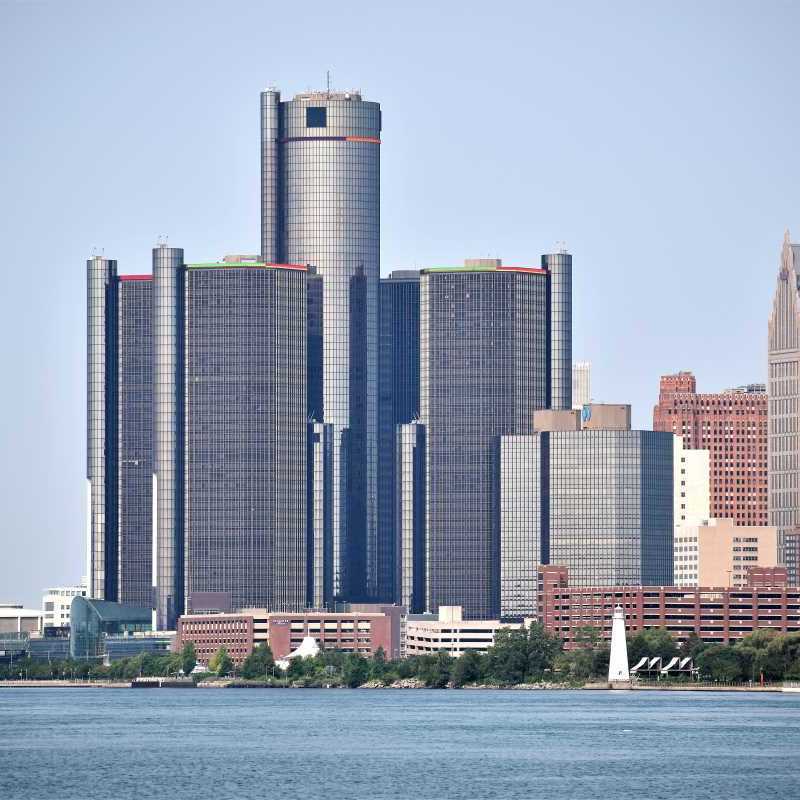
(525, 655)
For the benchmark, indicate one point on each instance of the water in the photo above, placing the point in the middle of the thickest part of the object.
(62, 744)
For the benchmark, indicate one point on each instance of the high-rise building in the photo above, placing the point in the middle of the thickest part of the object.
(244, 447)
(784, 396)
(135, 438)
(488, 359)
(715, 552)
(398, 403)
(197, 423)
(409, 521)
(791, 555)
(101, 427)
(119, 433)
(581, 383)
(320, 205)
(692, 485)
(732, 426)
(596, 499)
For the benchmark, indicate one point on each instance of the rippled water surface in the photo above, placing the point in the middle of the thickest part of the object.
(61, 744)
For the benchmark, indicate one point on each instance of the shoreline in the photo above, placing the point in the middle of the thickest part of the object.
(522, 687)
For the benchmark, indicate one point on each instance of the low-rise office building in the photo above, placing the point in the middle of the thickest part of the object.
(450, 633)
(56, 604)
(715, 614)
(717, 552)
(18, 619)
(362, 629)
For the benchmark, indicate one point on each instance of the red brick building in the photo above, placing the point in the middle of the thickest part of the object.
(732, 426)
(715, 614)
(356, 631)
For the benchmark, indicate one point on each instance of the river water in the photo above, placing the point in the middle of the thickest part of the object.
(60, 744)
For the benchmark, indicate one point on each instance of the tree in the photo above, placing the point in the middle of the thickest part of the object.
(355, 670)
(468, 668)
(652, 642)
(435, 670)
(542, 648)
(507, 659)
(720, 663)
(188, 658)
(221, 663)
(260, 662)
(377, 666)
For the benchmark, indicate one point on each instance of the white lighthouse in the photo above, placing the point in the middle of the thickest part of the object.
(618, 661)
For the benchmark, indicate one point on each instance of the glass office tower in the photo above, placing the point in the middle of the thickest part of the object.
(398, 403)
(599, 502)
(101, 427)
(168, 429)
(244, 450)
(409, 522)
(485, 366)
(135, 432)
(119, 434)
(320, 206)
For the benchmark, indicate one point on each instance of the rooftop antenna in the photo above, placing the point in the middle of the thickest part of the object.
(328, 82)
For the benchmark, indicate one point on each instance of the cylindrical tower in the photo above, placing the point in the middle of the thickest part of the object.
(270, 176)
(168, 434)
(559, 266)
(329, 189)
(101, 439)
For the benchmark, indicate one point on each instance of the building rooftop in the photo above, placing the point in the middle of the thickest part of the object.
(353, 95)
(245, 265)
(484, 265)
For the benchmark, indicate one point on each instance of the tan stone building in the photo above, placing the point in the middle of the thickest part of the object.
(718, 552)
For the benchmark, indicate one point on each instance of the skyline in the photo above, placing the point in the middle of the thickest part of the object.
(203, 191)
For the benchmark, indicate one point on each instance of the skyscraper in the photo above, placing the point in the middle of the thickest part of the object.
(783, 388)
(101, 427)
(119, 434)
(320, 205)
(244, 460)
(398, 403)
(597, 500)
(135, 436)
(732, 426)
(488, 359)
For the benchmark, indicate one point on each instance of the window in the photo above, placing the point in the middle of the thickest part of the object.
(316, 117)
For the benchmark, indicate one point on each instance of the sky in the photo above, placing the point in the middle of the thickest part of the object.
(658, 141)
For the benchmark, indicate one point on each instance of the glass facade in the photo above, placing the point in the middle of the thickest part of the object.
(409, 523)
(559, 265)
(101, 426)
(91, 620)
(168, 434)
(320, 496)
(398, 402)
(245, 434)
(523, 523)
(599, 502)
(321, 206)
(135, 432)
(484, 368)
(611, 506)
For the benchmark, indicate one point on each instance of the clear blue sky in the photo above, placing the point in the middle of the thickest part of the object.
(659, 141)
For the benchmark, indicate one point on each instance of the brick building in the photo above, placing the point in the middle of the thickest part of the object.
(715, 614)
(355, 631)
(732, 426)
